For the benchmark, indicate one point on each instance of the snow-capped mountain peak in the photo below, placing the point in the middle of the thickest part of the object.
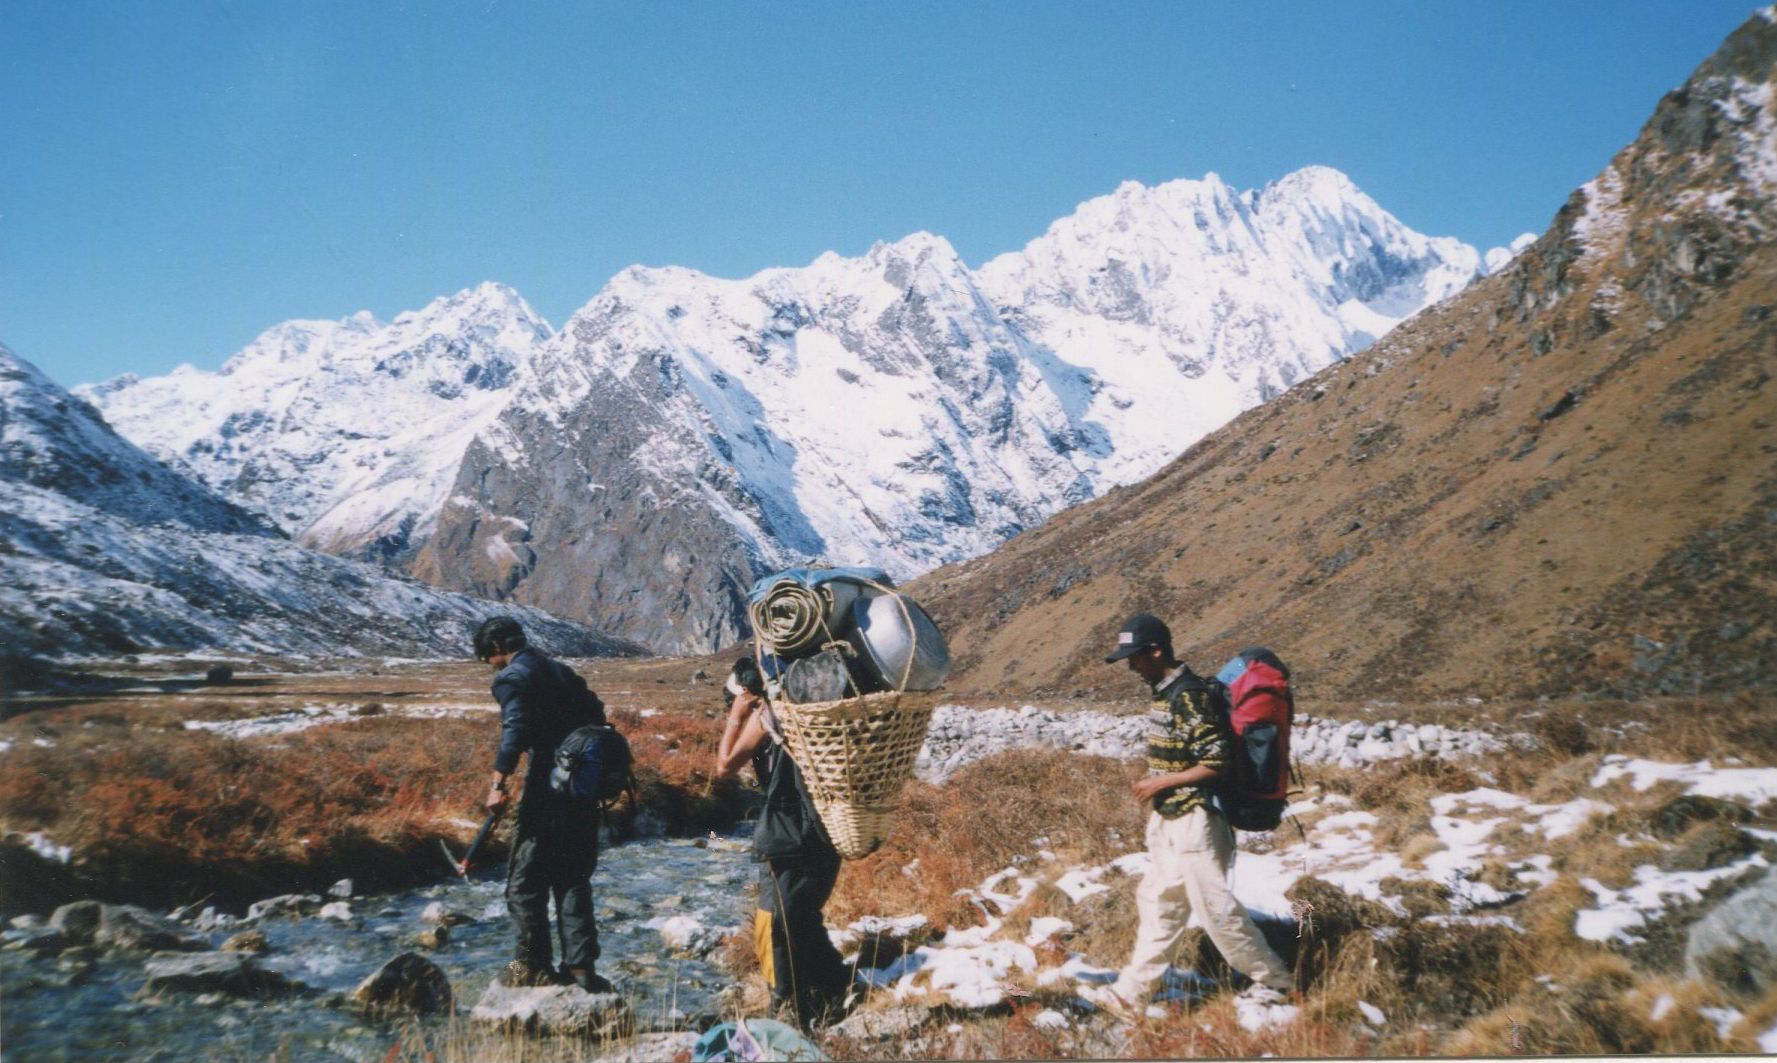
(345, 433)
(896, 407)
(902, 409)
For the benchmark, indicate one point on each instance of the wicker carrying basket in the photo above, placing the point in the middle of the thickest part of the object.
(856, 754)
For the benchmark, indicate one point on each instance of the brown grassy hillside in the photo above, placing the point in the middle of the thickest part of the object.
(1563, 480)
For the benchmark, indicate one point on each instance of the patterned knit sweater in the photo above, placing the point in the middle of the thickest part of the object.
(1182, 733)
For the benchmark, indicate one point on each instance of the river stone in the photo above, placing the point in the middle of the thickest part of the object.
(125, 927)
(252, 942)
(433, 937)
(688, 937)
(339, 911)
(29, 921)
(1735, 945)
(287, 904)
(42, 940)
(341, 889)
(212, 972)
(408, 983)
(563, 1010)
(436, 912)
(211, 919)
(78, 921)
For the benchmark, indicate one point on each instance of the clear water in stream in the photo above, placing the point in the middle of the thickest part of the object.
(101, 1017)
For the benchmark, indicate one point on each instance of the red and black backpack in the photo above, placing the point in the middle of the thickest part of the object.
(1252, 696)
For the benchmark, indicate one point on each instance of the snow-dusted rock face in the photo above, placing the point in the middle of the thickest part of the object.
(684, 432)
(105, 550)
(52, 440)
(347, 434)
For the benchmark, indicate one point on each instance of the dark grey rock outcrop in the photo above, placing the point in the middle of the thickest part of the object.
(409, 984)
(233, 973)
(1735, 945)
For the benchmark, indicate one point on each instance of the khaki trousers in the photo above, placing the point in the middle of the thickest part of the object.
(1192, 856)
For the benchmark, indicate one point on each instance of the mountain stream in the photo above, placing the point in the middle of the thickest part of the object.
(58, 1010)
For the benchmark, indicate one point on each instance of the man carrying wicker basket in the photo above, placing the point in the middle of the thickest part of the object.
(798, 864)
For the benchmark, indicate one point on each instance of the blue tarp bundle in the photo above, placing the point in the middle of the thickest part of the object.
(814, 577)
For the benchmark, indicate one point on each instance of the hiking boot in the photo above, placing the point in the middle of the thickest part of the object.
(522, 974)
(586, 979)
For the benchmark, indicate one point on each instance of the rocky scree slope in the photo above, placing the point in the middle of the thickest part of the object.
(1561, 480)
(684, 433)
(105, 550)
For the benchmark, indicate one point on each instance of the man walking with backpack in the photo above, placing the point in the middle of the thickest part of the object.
(555, 848)
(1190, 844)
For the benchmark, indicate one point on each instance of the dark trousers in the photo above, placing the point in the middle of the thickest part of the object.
(554, 853)
(795, 954)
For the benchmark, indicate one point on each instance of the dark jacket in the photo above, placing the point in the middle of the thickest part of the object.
(788, 825)
(541, 700)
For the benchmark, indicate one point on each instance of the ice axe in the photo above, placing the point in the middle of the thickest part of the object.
(461, 867)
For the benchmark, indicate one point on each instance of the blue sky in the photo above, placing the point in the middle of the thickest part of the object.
(179, 176)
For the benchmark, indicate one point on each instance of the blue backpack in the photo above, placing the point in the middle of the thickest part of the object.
(593, 764)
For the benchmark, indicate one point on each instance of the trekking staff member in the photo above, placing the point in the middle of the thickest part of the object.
(798, 865)
(555, 847)
(1191, 846)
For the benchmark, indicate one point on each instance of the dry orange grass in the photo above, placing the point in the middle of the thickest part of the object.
(989, 815)
(167, 816)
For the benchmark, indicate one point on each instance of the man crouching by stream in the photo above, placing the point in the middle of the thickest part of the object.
(555, 848)
(798, 865)
(1190, 845)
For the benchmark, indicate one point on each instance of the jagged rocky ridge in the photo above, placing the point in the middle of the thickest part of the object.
(682, 432)
(1558, 481)
(106, 550)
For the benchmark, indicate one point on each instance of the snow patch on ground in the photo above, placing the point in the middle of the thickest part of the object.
(1753, 785)
(1724, 1019)
(301, 719)
(1044, 927)
(1620, 912)
(1254, 1016)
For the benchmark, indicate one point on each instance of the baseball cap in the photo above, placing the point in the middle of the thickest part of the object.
(1140, 632)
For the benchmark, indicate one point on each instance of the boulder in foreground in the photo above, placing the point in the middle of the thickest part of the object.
(559, 1010)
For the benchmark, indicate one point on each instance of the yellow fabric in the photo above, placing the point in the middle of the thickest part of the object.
(762, 944)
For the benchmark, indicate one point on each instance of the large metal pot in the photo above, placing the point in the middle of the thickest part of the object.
(900, 642)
